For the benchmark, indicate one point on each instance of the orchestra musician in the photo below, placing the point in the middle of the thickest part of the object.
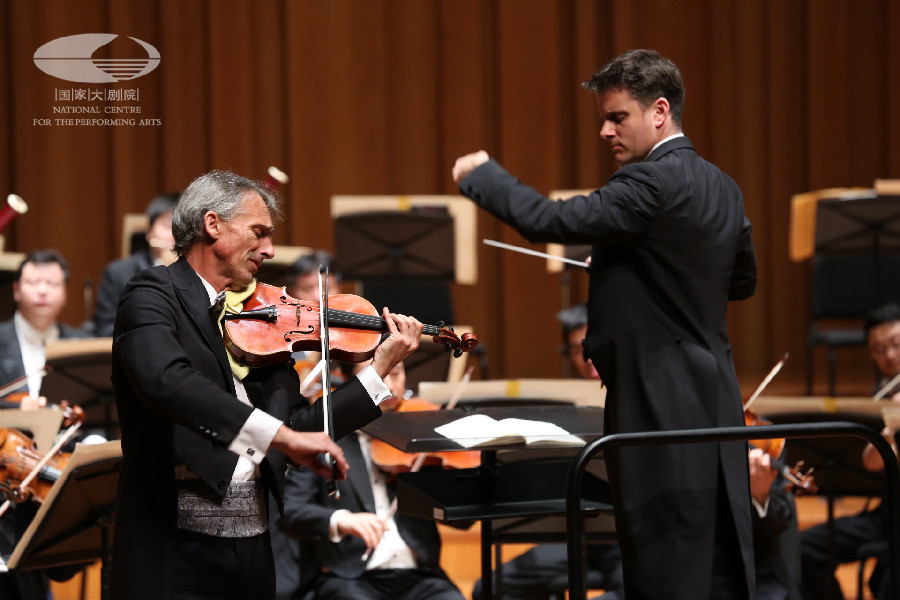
(39, 291)
(882, 329)
(776, 537)
(304, 284)
(671, 247)
(117, 273)
(204, 438)
(360, 549)
(527, 576)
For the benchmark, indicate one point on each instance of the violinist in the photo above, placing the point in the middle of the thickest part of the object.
(39, 291)
(776, 538)
(362, 551)
(205, 438)
(882, 329)
(304, 284)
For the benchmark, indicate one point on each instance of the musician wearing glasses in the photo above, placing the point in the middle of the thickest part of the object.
(204, 438)
(850, 533)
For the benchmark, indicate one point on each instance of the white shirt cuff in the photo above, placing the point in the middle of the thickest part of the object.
(255, 437)
(333, 534)
(761, 509)
(378, 391)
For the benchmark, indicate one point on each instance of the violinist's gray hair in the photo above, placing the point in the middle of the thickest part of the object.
(221, 192)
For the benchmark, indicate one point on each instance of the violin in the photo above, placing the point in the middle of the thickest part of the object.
(273, 325)
(391, 460)
(801, 482)
(71, 414)
(18, 458)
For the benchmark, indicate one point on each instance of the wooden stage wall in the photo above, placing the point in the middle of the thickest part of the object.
(380, 97)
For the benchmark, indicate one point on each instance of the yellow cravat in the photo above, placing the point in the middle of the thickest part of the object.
(234, 303)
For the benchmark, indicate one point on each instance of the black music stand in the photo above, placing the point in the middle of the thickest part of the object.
(507, 492)
(75, 521)
(78, 370)
(404, 259)
(858, 223)
(391, 244)
(867, 227)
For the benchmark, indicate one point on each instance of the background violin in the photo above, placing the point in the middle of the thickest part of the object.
(273, 325)
(801, 482)
(392, 460)
(71, 414)
(18, 458)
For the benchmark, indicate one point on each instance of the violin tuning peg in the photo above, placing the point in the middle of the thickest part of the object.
(457, 352)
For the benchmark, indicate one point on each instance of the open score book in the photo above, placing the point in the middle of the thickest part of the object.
(478, 431)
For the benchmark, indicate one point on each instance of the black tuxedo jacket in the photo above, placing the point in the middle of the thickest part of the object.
(115, 276)
(671, 247)
(308, 510)
(177, 405)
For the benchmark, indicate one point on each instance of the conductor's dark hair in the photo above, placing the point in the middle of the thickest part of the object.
(886, 313)
(647, 75)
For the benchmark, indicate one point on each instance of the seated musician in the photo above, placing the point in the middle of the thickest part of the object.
(40, 295)
(304, 283)
(528, 575)
(39, 291)
(883, 334)
(776, 538)
(117, 273)
(362, 552)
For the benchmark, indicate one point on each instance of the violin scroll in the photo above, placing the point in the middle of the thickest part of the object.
(452, 342)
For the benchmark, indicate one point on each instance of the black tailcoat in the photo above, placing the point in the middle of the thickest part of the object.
(671, 246)
(177, 405)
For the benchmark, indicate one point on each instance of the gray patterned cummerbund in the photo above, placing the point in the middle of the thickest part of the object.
(242, 513)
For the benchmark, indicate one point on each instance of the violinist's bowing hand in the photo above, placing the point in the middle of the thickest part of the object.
(33, 402)
(468, 163)
(403, 339)
(304, 448)
(366, 526)
(761, 474)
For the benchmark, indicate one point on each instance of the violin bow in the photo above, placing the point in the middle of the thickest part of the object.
(18, 381)
(529, 251)
(65, 437)
(420, 459)
(766, 381)
(890, 385)
(332, 485)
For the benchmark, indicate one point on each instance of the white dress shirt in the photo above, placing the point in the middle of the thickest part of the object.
(253, 440)
(33, 343)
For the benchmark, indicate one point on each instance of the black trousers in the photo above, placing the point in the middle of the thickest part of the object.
(203, 567)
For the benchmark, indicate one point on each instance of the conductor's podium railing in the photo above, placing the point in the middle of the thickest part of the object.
(575, 522)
